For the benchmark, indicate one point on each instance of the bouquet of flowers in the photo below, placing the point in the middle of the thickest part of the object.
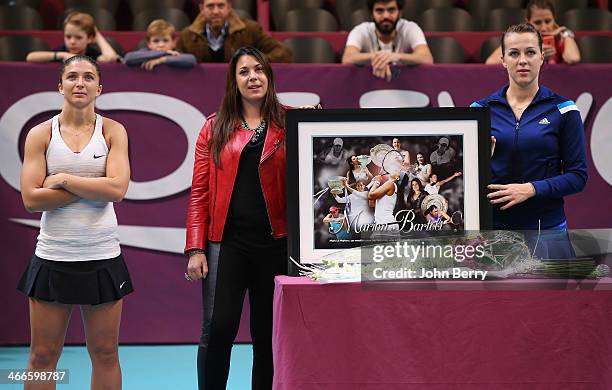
(334, 270)
(507, 255)
(503, 254)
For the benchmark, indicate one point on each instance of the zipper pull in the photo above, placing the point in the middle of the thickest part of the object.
(517, 125)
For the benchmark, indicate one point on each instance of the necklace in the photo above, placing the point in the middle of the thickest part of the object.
(518, 111)
(257, 132)
(521, 108)
(84, 129)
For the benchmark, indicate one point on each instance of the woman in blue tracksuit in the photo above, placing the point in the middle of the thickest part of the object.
(539, 149)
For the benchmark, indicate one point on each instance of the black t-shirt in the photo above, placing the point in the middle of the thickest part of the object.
(247, 217)
(91, 51)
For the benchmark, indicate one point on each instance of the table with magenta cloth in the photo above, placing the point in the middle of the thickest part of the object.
(439, 335)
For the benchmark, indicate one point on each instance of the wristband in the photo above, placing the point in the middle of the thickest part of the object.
(568, 34)
(195, 252)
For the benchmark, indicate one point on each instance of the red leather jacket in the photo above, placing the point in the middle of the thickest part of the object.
(211, 186)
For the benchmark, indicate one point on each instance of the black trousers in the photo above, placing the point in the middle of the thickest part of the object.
(234, 268)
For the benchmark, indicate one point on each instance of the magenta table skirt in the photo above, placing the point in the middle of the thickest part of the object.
(344, 336)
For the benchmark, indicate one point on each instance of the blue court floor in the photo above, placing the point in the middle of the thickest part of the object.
(155, 367)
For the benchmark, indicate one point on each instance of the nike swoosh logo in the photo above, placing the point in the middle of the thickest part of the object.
(121, 285)
(102, 155)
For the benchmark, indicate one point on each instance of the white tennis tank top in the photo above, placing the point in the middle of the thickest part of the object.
(85, 229)
(383, 213)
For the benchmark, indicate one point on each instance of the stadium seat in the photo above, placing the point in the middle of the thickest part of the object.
(588, 19)
(115, 45)
(562, 6)
(501, 18)
(479, 9)
(137, 6)
(358, 16)
(345, 9)
(104, 18)
(309, 19)
(311, 50)
(175, 16)
(280, 8)
(243, 14)
(20, 18)
(413, 8)
(17, 47)
(446, 19)
(110, 5)
(142, 44)
(446, 50)
(488, 47)
(22, 3)
(245, 5)
(595, 49)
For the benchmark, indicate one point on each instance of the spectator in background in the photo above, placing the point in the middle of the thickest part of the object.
(160, 49)
(386, 41)
(80, 33)
(559, 45)
(218, 32)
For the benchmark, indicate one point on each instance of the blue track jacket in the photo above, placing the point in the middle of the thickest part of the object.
(545, 147)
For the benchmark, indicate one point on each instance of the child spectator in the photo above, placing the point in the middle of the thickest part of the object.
(80, 33)
(160, 49)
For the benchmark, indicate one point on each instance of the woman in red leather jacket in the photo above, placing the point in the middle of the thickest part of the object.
(236, 221)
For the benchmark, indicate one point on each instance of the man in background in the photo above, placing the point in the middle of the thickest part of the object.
(217, 32)
(386, 41)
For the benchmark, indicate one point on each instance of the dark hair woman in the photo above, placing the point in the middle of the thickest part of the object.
(75, 166)
(416, 194)
(540, 153)
(357, 172)
(423, 168)
(236, 221)
(558, 44)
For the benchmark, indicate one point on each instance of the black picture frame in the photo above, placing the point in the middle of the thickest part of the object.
(308, 129)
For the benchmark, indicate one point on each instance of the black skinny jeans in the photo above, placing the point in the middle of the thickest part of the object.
(234, 268)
